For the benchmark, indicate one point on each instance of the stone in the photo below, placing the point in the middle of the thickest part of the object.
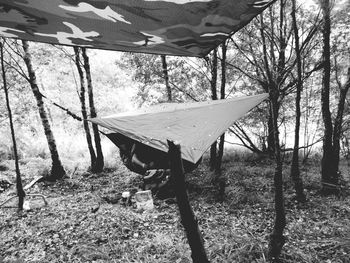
(144, 200)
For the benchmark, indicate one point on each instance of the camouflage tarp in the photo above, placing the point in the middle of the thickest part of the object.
(173, 27)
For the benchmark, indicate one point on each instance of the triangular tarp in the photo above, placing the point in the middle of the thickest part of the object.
(173, 27)
(194, 125)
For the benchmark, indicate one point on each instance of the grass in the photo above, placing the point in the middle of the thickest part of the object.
(237, 230)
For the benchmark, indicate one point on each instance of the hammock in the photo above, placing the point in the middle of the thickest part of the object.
(146, 154)
(195, 126)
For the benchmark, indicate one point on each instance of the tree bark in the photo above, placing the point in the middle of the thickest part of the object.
(166, 77)
(328, 166)
(83, 108)
(295, 171)
(19, 186)
(267, 85)
(270, 137)
(277, 239)
(188, 218)
(339, 121)
(57, 170)
(219, 177)
(222, 96)
(214, 96)
(99, 154)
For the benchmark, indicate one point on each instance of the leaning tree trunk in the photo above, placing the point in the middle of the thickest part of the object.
(83, 108)
(295, 171)
(20, 192)
(99, 155)
(328, 167)
(188, 218)
(57, 170)
(166, 77)
(214, 96)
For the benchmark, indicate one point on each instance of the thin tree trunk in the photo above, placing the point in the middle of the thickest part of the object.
(221, 180)
(295, 171)
(222, 96)
(277, 239)
(270, 126)
(20, 192)
(83, 108)
(188, 219)
(166, 77)
(214, 96)
(99, 155)
(57, 170)
(328, 166)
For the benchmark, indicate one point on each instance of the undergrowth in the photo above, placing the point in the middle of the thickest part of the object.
(85, 220)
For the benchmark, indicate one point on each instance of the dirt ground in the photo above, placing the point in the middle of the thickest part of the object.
(85, 220)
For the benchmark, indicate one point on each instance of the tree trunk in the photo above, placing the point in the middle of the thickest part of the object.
(220, 178)
(99, 157)
(339, 121)
(188, 218)
(277, 239)
(295, 171)
(166, 78)
(267, 86)
(222, 96)
(214, 96)
(57, 170)
(270, 137)
(328, 167)
(83, 108)
(20, 192)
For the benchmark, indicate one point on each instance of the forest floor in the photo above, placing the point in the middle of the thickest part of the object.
(85, 222)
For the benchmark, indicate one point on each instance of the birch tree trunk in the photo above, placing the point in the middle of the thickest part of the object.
(99, 154)
(83, 108)
(57, 170)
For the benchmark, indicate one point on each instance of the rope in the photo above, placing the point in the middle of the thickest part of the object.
(70, 113)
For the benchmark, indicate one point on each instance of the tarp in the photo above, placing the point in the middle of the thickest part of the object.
(173, 27)
(195, 126)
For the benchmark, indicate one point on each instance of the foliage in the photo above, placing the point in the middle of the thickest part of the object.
(187, 77)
